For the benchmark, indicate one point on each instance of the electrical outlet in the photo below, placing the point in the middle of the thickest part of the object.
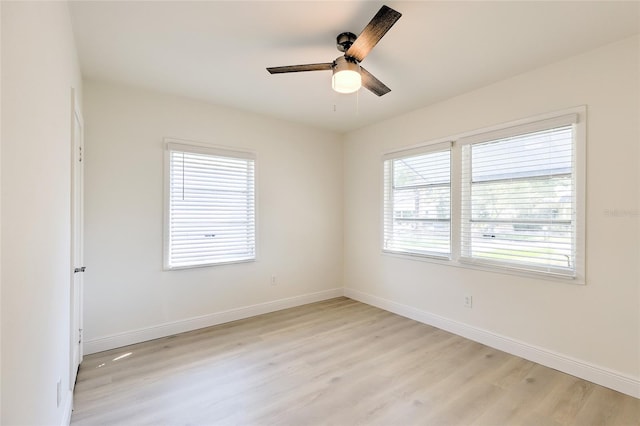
(468, 301)
(273, 280)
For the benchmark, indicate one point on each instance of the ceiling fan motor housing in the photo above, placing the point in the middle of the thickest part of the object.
(345, 40)
(342, 63)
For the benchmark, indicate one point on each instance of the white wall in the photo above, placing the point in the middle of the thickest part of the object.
(39, 67)
(0, 214)
(128, 296)
(597, 324)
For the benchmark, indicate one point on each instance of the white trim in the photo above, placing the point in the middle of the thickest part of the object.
(207, 265)
(180, 326)
(425, 148)
(530, 126)
(582, 369)
(388, 184)
(579, 368)
(172, 144)
(485, 267)
(68, 409)
(183, 145)
(575, 116)
(76, 282)
(421, 255)
(580, 177)
(523, 122)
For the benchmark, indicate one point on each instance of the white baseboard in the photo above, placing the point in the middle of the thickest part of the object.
(593, 373)
(163, 330)
(68, 409)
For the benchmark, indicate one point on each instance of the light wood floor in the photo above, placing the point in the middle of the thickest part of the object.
(338, 362)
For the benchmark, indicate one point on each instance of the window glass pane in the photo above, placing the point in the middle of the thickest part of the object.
(432, 168)
(418, 204)
(211, 209)
(523, 243)
(518, 206)
(535, 154)
(536, 199)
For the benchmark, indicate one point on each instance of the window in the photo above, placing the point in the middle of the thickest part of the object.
(516, 194)
(518, 201)
(210, 206)
(417, 209)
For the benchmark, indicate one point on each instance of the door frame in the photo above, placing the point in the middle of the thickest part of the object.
(76, 287)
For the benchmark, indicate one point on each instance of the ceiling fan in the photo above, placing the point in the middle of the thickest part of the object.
(348, 75)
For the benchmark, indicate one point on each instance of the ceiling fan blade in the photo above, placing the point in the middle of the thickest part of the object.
(373, 32)
(373, 84)
(298, 68)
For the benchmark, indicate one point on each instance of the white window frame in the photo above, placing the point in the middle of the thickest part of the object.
(388, 195)
(207, 149)
(578, 116)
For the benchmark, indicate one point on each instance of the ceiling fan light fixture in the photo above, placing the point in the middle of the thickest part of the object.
(346, 76)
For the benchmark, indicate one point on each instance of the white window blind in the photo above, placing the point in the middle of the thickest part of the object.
(417, 204)
(211, 206)
(519, 201)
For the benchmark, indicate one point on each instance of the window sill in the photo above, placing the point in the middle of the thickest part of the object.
(206, 265)
(487, 268)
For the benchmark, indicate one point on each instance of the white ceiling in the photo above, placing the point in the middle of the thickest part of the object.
(217, 51)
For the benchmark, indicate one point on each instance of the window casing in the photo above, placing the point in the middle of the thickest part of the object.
(518, 201)
(517, 197)
(210, 206)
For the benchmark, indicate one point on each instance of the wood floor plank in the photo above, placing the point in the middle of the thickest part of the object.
(336, 362)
